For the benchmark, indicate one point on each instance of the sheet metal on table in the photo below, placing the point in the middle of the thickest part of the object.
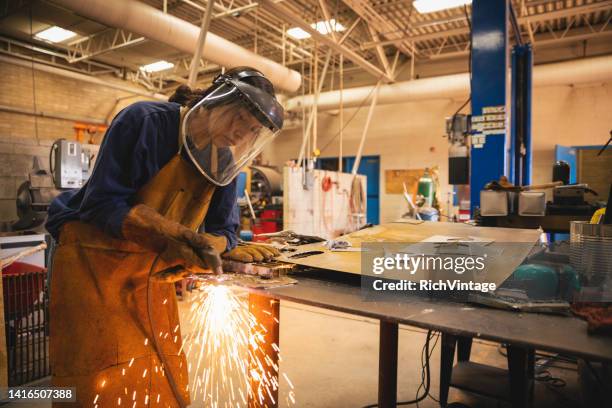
(544, 332)
(350, 262)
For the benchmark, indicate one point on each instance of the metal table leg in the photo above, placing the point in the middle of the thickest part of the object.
(387, 365)
(447, 357)
(266, 310)
(520, 369)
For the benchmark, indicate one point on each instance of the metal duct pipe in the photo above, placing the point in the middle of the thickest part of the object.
(586, 70)
(81, 77)
(52, 115)
(151, 23)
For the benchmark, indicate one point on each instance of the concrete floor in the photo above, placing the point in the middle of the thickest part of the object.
(332, 361)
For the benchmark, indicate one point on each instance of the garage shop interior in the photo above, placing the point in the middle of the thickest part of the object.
(306, 203)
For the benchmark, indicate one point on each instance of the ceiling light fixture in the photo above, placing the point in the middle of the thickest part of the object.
(157, 66)
(429, 6)
(55, 34)
(321, 26)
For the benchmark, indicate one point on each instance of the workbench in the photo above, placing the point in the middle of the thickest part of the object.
(458, 322)
(332, 280)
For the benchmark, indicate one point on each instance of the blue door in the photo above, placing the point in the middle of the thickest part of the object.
(567, 154)
(369, 167)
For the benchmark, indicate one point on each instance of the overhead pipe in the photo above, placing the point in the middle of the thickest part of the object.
(81, 77)
(53, 115)
(581, 71)
(139, 18)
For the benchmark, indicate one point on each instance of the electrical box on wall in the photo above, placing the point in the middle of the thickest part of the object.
(68, 170)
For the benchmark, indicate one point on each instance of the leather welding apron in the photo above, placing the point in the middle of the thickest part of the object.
(102, 331)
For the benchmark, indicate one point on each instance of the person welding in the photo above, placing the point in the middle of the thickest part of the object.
(163, 190)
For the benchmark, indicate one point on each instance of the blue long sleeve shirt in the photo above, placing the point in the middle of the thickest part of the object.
(141, 139)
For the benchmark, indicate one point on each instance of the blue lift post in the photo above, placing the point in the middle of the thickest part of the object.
(520, 145)
(490, 92)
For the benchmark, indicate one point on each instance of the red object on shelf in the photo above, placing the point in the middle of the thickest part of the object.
(22, 284)
(267, 222)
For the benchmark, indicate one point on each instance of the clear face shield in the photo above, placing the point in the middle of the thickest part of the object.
(229, 127)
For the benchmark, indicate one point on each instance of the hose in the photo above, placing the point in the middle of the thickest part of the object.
(178, 395)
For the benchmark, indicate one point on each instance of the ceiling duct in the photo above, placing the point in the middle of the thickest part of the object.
(579, 71)
(154, 24)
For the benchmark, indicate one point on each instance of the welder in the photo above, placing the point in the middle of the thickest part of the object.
(163, 189)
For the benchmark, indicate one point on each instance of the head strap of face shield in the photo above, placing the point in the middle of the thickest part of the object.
(241, 75)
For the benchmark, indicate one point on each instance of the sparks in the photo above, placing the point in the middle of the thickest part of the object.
(222, 329)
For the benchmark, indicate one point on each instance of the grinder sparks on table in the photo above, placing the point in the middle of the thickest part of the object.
(163, 190)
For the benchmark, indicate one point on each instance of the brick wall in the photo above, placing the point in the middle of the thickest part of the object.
(24, 136)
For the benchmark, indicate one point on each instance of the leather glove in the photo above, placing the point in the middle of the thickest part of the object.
(173, 241)
(251, 253)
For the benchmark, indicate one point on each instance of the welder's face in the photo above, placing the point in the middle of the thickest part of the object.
(224, 126)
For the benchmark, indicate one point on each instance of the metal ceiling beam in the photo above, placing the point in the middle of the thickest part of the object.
(100, 43)
(290, 17)
(380, 52)
(17, 48)
(540, 40)
(383, 26)
(525, 20)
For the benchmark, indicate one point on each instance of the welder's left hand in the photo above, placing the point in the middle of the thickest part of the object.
(251, 253)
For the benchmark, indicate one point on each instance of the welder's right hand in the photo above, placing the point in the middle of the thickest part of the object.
(173, 241)
(148, 228)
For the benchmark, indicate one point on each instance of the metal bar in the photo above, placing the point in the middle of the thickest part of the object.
(314, 111)
(327, 16)
(447, 356)
(267, 314)
(365, 129)
(341, 80)
(515, 25)
(350, 30)
(37, 350)
(18, 327)
(60, 116)
(380, 52)
(518, 372)
(387, 365)
(290, 17)
(197, 55)
(382, 25)
(28, 327)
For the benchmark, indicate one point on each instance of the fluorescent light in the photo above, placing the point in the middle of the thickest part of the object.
(298, 33)
(429, 6)
(157, 66)
(55, 34)
(324, 26)
(321, 26)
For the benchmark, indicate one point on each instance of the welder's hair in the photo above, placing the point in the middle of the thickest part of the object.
(185, 96)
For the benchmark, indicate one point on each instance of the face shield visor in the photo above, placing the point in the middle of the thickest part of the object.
(224, 131)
